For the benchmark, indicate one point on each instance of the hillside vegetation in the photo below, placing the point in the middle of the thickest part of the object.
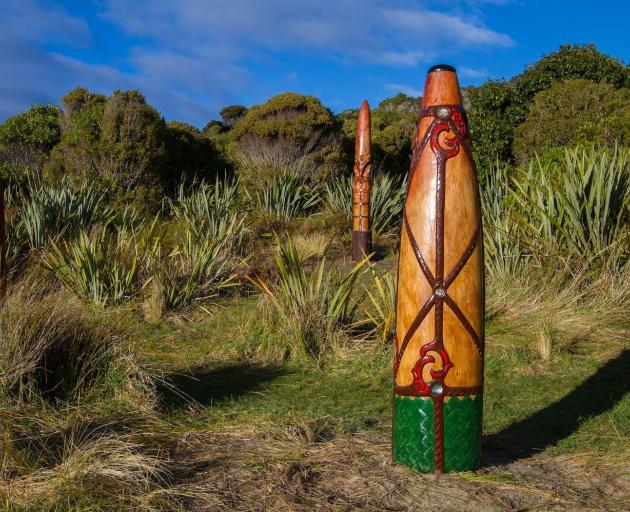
(183, 329)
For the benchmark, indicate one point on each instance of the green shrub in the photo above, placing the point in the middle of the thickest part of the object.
(26, 139)
(45, 211)
(231, 114)
(574, 112)
(76, 155)
(190, 156)
(571, 61)
(285, 197)
(118, 142)
(289, 131)
(312, 304)
(498, 107)
(579, 207)
(132, 147)
(38, 127)
(203, 264)
(492, 116)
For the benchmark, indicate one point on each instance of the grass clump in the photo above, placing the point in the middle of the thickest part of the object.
(62, 377)
(577, 208)
(46, 211)
(204, 263)
(311, 303)
(285, 197)
(387, 196)
(381, 307)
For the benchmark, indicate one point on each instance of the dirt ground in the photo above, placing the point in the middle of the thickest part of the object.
(304, 468)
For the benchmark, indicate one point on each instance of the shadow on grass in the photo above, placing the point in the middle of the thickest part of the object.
(596, 395)
(207, 386)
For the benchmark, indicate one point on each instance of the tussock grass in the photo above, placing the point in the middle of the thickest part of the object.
(103, 473)
(285, 197)
(52, 348)
(67, 385)
(311, 303)
(381, 307)
(583, 313)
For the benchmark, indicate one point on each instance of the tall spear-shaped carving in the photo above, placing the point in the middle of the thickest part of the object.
(361, 225)
(439, 347)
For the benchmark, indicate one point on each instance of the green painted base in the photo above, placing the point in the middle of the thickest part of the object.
(413, 440)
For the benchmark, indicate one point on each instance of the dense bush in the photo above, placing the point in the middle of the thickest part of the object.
(492, 115)
(76, 155)
(289, 131)
(38, 128)
(191, 155)
(571, 61)
(393, 127)
(27, 138)
(498, 107)
(573, 112)
(132, 147)
(231, 114)
(117, 142)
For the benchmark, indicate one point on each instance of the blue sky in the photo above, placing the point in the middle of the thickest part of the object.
(192, 57)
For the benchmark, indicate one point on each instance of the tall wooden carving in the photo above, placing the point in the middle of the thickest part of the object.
(439, 346)
(361, 225)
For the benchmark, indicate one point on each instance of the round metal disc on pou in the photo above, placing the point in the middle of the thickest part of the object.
(438, 364)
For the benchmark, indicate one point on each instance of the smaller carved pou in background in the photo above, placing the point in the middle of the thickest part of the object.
(361, 225)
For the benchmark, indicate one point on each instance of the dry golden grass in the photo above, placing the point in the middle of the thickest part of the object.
(306, 467)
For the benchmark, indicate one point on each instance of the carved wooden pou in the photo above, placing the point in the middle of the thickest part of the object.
(361, 225)
(438, 365)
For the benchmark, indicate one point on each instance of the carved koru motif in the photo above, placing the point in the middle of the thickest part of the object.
(446, 135)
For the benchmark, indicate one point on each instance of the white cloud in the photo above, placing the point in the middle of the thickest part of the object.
(190, 57)
(405, 89)
(436, 29)
(466, 71)
(370, 31)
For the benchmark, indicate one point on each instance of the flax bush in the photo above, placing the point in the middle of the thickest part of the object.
(311, 302)
(387, 197)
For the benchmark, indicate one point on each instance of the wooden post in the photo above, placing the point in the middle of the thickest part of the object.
(439, 346)
(361, 225)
